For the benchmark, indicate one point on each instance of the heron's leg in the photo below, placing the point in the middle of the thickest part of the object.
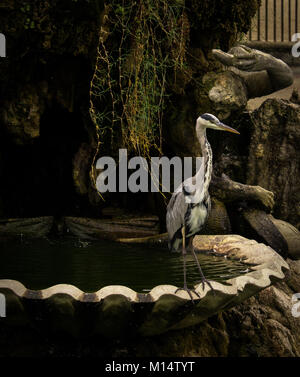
(203, 278)
(184, 256)
(185, 287)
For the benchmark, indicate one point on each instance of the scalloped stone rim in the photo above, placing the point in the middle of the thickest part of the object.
(266, 264)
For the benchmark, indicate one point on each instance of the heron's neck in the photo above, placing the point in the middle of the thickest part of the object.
(207, 156)
(205, 146)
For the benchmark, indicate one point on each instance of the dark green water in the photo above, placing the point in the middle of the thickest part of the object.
(92, 265)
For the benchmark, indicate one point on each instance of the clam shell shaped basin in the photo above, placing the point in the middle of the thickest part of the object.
(116, 310)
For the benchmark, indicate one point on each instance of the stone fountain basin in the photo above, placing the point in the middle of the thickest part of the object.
(117, 311)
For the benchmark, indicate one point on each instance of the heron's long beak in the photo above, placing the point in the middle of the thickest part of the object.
(224, 127)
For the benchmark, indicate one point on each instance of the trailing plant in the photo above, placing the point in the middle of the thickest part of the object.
(141, 43)
(149, 50)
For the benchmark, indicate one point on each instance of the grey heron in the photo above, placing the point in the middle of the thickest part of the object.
(189, 206)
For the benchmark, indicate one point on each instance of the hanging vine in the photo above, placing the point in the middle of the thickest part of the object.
(140, 43)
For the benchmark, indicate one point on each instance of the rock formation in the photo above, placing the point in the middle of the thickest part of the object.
(274, 156)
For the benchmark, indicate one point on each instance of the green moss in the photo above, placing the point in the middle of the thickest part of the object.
(70, 26)
(219, 23)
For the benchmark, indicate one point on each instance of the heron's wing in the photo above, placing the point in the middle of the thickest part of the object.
(188, 192)
(176, 211)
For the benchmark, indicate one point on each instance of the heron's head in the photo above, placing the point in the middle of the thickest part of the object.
(210, 121)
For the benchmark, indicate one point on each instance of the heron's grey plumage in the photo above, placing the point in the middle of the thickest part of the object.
(190, 205)
(176, 211)
(181, 203)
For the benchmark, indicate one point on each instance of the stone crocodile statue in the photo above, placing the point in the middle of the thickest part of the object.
(262, 73)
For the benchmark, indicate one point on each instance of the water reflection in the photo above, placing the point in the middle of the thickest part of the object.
(90, 266)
